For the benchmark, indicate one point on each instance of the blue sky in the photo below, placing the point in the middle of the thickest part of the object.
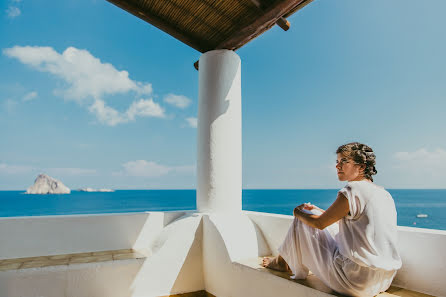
(96, 97)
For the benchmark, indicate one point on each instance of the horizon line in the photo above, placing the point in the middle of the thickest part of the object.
(188, 189)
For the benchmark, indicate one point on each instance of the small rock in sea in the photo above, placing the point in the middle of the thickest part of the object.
(106, 190)
(45, 184)
(95, 190)
(87, 190)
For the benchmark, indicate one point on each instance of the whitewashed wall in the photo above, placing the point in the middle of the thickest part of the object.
(424, 260)
(67, 234)
(189, 253)
(174, 266)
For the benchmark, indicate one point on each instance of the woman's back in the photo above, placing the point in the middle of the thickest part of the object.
(368, 235)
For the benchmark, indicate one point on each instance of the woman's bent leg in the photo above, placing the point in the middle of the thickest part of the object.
(306, 248)
(290, 251)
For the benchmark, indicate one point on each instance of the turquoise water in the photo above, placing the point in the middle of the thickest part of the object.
(409, 203)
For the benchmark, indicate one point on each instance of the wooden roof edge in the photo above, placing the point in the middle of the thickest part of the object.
(162, 25)
(298, 7)
(261, 24)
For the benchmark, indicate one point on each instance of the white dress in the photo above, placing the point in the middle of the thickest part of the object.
(358, 256)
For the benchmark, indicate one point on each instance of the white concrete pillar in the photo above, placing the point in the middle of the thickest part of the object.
(219, 160)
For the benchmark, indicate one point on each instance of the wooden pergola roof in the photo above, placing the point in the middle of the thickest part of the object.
(213, 24)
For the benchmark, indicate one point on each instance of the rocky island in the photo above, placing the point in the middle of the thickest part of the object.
(45, 184)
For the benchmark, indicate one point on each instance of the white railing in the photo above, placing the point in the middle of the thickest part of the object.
(68, 234)
(176, 236)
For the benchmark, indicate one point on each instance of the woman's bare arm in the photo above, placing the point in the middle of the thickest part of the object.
(334, 213)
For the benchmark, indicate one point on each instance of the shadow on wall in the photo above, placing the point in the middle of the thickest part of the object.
(192, 268)
(227, 239)
(152, 227)
(175, 265)
(225, 75)
(262, 244)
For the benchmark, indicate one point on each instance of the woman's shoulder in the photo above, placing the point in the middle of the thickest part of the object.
(364, 184)
(367, 188)
(366, 195)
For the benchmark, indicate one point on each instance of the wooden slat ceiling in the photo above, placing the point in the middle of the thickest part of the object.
(213, 24)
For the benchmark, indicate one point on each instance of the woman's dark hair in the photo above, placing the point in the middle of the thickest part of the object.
(360, 154)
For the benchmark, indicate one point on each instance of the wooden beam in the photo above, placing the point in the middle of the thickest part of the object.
(283, 23)
(161, 24)
(260, 25)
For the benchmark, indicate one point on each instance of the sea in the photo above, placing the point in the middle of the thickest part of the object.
(409, 203)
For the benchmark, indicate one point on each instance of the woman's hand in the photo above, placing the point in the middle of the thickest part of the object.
(307, 206)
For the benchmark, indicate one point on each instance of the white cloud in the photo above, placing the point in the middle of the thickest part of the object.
(145, 108)
(190, 169)
(106, 114)
(88, 81)
(13, 11)
(192, 122)
(110, 116)
(14, 169)
(30, 96)
(179, 101)
(143, 168)
(422, 159)
(418, 169)
(85, 74)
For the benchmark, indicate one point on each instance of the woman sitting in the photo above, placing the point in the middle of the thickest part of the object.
(351, 246)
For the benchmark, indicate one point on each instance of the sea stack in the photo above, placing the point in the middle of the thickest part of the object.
(45, 184)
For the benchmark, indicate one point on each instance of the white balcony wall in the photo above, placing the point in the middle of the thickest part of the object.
(68, 234)
(172, 240)
(188, 253)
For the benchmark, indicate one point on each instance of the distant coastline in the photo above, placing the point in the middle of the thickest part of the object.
(244, 189)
